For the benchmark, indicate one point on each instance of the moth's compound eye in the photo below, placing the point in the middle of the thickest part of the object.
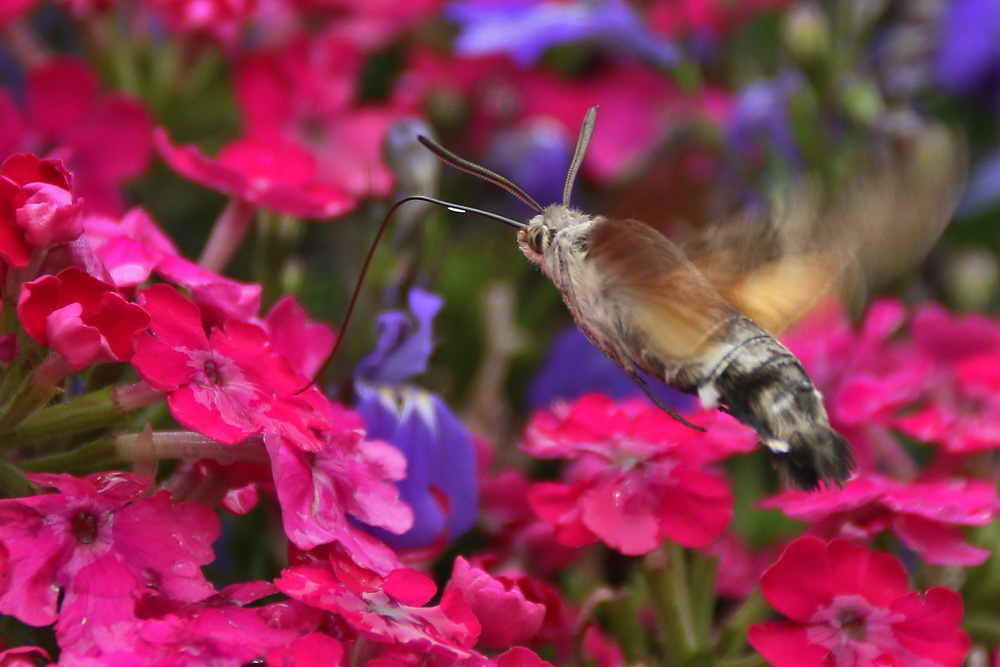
(535, 239)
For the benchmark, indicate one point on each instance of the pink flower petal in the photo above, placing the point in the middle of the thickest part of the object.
(786, 644)
(938, 543)
(621, 520)
(931, 626)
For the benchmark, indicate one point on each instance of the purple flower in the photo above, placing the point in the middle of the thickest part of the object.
(968, 61)
(760, 117)
(440, 483)
(575, 367)
(402, 351)
(526, 29)
(982, 193)
(535, 155)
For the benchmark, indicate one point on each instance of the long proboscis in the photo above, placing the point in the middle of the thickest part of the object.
(479, 171)
(454, 208)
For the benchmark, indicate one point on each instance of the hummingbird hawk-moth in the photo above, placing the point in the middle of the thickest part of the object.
(701, 314)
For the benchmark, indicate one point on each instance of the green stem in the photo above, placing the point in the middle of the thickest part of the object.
(665, 578)
(621, 618)
(122, 58)
(745, 661)
(733, 637)
(88, 412)
(276, 239)
(703, 571)
(94, 456)
(29, 399)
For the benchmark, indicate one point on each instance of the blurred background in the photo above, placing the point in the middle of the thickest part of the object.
(707, 108)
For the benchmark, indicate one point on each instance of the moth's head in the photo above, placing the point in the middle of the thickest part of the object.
(544, 230)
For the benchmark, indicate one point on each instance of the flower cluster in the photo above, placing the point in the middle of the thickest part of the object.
(195, 469)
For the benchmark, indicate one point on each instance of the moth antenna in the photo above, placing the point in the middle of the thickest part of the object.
(586, 130)
(462, 164)
(455, 208)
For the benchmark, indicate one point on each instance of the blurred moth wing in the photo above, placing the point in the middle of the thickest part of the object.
(774, 268)
(670, 296)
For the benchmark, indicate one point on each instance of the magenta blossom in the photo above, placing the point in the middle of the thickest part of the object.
(507, 616)
(103, 138)
(37, 207)
(80, 317)
(220, 630)
(83, 555)
(300, 98)
(220, 21)
(705, 18)
(924, 515)
(305, 344)
(958, 406)
(130, 247)
(312, 650)
(387, 610)
(637, 475)
(227, 384)
(349, 476)
(267, 172)
(134, 247)
(848, 606)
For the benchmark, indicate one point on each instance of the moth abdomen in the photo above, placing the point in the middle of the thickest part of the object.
(764, 386)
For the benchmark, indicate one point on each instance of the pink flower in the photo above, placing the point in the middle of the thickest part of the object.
(220, 630)
(961, 408)
(305, 344)
(130, 247)
(104, 139)
(507, 617)
(14, 9)
(228, 384)
(312, 112)
(924, 515)
(636, 104)
(739, 567)
(24, 656)
(636, 476)
(955, 404)
(706, 18)
(218, 20)
(134, 247)
(308, 77)
(268, 172)
(312, 650)
(37, 207)
(219, 298)
(98, 544)
(520, 657)
(951, 337)
(387, 610)
(349, 476)
(80, 317)
(515, 531)
(848, 606)
(602, 651)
